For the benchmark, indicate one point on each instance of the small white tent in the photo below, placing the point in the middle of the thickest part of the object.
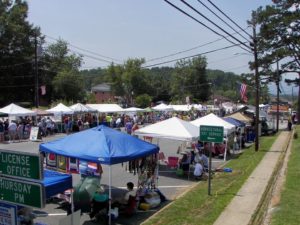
(173, 128)
(106, 108)
(15, 110)
(162, 107)
(213, 120)
(134, 109)
(80, 108)
(61, 109)
(183, 108)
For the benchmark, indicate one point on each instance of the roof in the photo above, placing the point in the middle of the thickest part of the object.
(104, 87)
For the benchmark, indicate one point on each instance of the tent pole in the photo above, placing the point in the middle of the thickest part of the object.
(157, 173)
(109, 194)
(72, 206)
(225, 153)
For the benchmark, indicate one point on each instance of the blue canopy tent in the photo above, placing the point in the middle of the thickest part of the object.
(55, 182)
(101, 145)
(235, 122)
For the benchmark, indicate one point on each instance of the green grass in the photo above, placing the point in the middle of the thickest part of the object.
(196, 207)
(288, 210)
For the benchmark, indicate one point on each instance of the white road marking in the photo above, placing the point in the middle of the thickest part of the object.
(171, 186)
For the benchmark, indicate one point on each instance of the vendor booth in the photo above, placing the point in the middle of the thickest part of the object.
(15, 110)
(213, 120)
(101, 145)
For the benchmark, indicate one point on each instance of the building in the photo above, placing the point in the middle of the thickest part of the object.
(103, 93)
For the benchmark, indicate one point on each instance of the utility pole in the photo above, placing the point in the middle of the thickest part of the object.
(277, 97)
(36, 71)
(257, 86)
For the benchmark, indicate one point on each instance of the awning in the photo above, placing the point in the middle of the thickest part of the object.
(56, 182)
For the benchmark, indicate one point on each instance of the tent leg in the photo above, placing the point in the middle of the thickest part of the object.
(225, 153)
(109, 194)
(157, 173)
(72, 206)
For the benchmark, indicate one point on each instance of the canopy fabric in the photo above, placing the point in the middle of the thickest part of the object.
(239, 116)
(133, 109)
(234, 122)
(15, 110)
(106, 108)
(173, 128)
(184, 108)
(80, 108)
(61, 109)
(56, 182)
(100, 145)
(148, 109)
(213, 120)
(162, 107)
(40, 112)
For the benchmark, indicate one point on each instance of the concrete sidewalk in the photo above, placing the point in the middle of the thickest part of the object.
(243, 205)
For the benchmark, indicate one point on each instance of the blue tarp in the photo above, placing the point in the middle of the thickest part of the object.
(56, 182)
(235, 122)
(101, 145)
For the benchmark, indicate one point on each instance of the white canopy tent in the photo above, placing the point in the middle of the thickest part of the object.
(106, 108)
(61, 109)
(213, 120)
(15, 110)
(163, 107)
(183, 108)
(173, 128)
(80, 108)
(134, 109)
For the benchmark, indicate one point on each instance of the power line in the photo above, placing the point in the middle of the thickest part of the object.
(187, 50)
(227, 17)
(223, 59)
(88, 56)
(205, 17)
(215, 50)
(193, 18)
(85, 50)
(222, 19)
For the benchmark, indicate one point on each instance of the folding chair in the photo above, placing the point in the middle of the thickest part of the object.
(173, 162)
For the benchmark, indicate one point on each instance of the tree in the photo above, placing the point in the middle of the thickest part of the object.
(16, 53)
(128, 80)
(68, 85)
(60, 73)
(143, 101)
(280, 37)
(190, 79)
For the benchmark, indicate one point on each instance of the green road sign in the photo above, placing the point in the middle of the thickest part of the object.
(22, 192)
(211, 134)
(25, 166)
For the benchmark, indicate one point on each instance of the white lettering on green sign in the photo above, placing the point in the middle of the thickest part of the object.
(19, 189)
(20, 165)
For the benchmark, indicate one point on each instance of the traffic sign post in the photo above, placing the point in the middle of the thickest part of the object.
(211, 134)
(22, 192)
(25, 166)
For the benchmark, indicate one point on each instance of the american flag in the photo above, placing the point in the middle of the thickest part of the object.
(243, 90)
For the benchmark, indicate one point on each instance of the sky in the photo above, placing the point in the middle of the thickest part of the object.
(115, 30)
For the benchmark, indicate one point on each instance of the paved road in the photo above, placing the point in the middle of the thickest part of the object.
(168, 182)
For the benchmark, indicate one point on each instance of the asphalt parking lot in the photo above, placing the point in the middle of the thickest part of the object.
(169, 184)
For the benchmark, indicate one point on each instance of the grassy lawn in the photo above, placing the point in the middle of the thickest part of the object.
(196, 207)
(288, 211)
